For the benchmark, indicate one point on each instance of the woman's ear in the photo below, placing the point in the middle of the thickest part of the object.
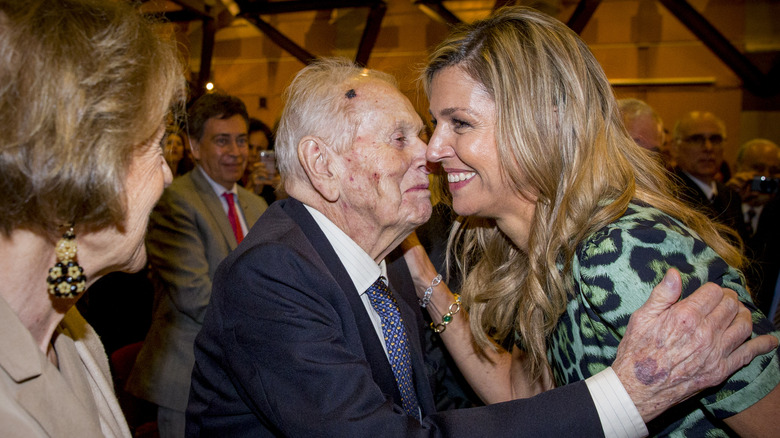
(317, 160)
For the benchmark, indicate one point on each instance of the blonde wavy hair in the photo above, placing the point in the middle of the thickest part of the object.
(561, 139)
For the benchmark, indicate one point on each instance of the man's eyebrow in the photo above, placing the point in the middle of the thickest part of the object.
(405, 125)
(228, 135)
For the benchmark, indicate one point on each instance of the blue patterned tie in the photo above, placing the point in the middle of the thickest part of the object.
(397, 344)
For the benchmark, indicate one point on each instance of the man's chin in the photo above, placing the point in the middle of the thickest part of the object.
(422, 215)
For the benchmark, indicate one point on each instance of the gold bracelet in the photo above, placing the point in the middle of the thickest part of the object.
(447, 318)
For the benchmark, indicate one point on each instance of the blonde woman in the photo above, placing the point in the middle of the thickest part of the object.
(563, 211)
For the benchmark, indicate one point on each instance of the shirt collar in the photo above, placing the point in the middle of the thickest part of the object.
(217, 187)
(709, 190)
(362, 269)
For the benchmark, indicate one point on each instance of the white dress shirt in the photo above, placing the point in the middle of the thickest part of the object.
(219, 190)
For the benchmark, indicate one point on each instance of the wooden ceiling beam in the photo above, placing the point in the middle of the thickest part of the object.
(752, 78)
(197, 7)
(582, 15)
(282, 41)
(370, 33)
(282, 7)
(435, 9)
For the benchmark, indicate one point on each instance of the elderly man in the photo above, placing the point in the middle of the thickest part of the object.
(760, 158)
(199, 219)
(643, 124)
(698, 142)
(293, 346)
(646, 127)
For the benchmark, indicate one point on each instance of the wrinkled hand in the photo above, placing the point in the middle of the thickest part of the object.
(672, 350)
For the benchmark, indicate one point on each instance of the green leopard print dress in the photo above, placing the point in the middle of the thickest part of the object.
(631, 255)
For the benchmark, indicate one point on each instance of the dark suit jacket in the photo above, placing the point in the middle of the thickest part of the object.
(189, 235)
(287, 349)
(763, 251)
(726, 208)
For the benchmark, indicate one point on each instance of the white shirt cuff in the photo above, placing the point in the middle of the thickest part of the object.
(619, 417)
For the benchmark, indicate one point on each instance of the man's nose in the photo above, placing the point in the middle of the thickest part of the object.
(234, 148)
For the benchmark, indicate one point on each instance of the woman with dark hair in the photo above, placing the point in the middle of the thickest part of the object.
(261, 176)
(561, 214)
(85, 86)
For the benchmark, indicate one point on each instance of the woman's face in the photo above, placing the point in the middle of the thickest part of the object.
(257, 142)
(174, 149)
(464, 142)
(123, 248)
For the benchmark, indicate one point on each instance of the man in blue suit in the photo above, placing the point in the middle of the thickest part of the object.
(294, 342)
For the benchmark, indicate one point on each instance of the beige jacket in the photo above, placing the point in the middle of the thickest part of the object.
(39, 400)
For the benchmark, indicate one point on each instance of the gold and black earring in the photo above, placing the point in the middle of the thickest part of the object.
(66, 278)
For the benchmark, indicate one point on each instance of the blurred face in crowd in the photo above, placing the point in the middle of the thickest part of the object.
(223, 149)
(699, 146)
(174, 150)
(761, 158)
(646, 132)
(257, 142)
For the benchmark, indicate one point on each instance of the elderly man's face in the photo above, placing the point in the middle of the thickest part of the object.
(700, 148)
(646, 132)
(385, 180)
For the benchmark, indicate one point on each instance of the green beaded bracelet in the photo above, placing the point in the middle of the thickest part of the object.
(447, 318)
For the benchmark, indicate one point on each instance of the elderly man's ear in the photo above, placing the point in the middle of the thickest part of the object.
(318, 161)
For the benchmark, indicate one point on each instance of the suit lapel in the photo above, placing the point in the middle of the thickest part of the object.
(251, 212)
(693, 192)
(214, 206)
(40, 388)
(375, 354)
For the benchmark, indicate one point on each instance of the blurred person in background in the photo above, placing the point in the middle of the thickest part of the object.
(755, 179)
(198, 221)
(261, 175)
(85, 87)
(698, 141)
(643, 124)
(173, 149)
(646, 127)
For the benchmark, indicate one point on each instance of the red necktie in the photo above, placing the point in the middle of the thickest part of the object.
(233, 217)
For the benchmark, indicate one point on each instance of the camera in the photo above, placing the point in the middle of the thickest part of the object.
(763, 184)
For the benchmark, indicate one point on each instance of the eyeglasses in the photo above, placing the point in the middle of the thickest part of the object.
(716, 140)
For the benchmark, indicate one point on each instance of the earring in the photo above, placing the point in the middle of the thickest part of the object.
(66, 278)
